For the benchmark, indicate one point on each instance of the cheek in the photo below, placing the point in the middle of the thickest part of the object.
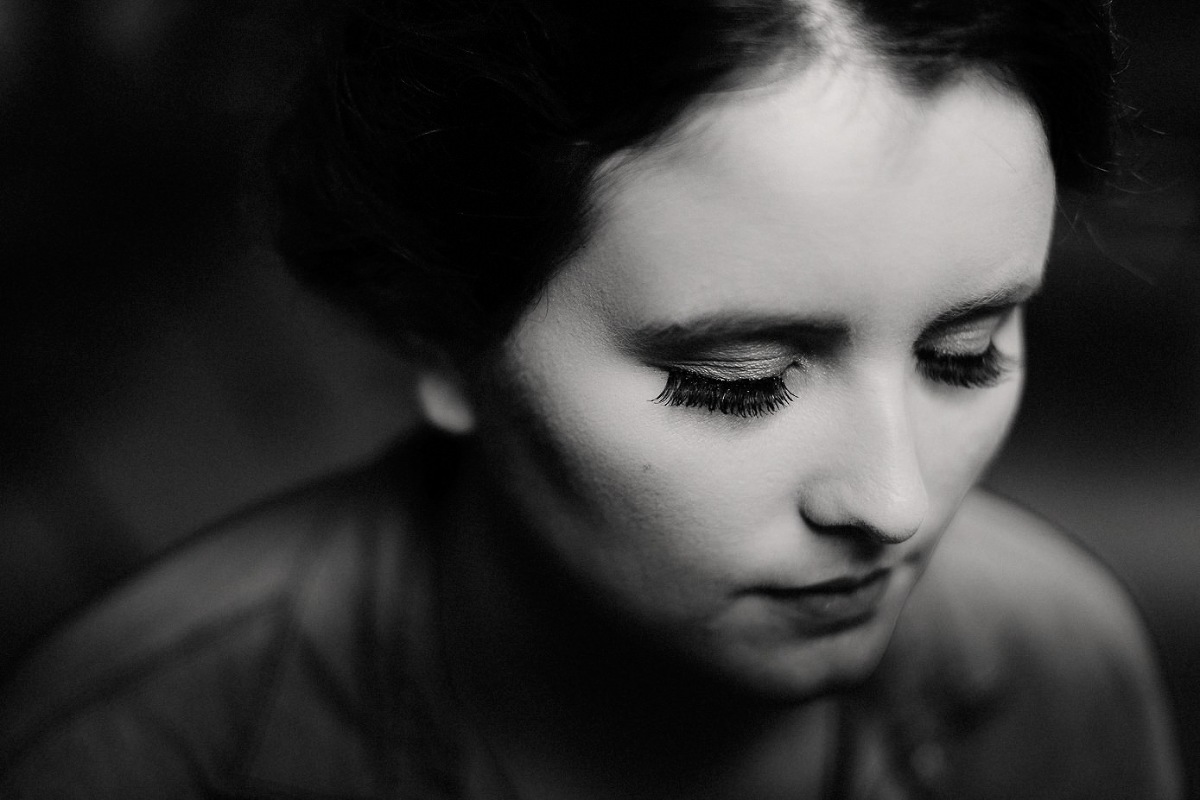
(961, 438)
(629, 488)
(962, 431)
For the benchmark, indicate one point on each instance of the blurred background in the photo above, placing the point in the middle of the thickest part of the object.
(160, 368)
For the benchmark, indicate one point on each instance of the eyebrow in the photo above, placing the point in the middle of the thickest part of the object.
(1000, 299)
(709, 332)
(723, 329)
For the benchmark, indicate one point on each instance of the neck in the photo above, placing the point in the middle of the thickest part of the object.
(567, 697)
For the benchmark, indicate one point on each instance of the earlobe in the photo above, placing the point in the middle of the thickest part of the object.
(444, 403)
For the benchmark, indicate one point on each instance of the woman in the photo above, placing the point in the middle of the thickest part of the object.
(717, 307)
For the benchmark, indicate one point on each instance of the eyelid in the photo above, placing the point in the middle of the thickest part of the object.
(736, 369)
(974, 339)
(970, 336)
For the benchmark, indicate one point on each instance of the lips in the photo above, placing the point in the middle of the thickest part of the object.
(831, 605)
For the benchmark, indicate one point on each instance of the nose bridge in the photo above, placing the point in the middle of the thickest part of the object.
(875, 481)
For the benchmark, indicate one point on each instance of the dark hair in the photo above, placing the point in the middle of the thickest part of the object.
(437, 164)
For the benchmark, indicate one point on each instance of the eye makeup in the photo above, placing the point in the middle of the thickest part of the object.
(757, 397)
(964, 354)
(736, 366)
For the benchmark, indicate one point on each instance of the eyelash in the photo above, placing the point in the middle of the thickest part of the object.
(750, 397)
(757, 397)
(965, 371)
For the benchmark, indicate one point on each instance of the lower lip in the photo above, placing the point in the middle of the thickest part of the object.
(828, 611)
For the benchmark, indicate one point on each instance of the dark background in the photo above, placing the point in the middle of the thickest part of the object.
(158, 368)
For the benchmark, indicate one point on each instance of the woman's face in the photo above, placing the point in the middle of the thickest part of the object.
(743, 415)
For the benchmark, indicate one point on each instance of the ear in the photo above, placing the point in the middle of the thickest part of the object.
(442, 397)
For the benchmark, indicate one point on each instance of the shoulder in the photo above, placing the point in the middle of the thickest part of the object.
(169, 678)
(1033, 653)
(1018, 577)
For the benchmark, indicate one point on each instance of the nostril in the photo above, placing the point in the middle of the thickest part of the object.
(869, 537)
(881, 524)
(894, 535)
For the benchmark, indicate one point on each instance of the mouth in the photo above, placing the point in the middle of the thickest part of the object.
(831, 605)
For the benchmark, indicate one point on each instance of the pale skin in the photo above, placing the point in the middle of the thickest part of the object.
(617, 563)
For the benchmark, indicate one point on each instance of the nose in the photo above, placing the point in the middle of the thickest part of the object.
(872, 483)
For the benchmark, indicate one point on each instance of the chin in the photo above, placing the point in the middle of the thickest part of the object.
(791, 672)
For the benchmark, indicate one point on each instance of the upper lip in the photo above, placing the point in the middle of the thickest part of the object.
(833, 586)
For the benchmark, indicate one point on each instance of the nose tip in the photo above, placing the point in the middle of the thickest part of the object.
(873, 483)
(885, 517)
(886, 520)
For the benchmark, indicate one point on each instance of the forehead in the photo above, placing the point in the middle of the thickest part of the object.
(831, 188)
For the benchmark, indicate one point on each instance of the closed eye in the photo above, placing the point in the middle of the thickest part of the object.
(965, 355)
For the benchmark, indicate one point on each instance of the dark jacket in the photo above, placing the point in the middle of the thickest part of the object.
(285, 654)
